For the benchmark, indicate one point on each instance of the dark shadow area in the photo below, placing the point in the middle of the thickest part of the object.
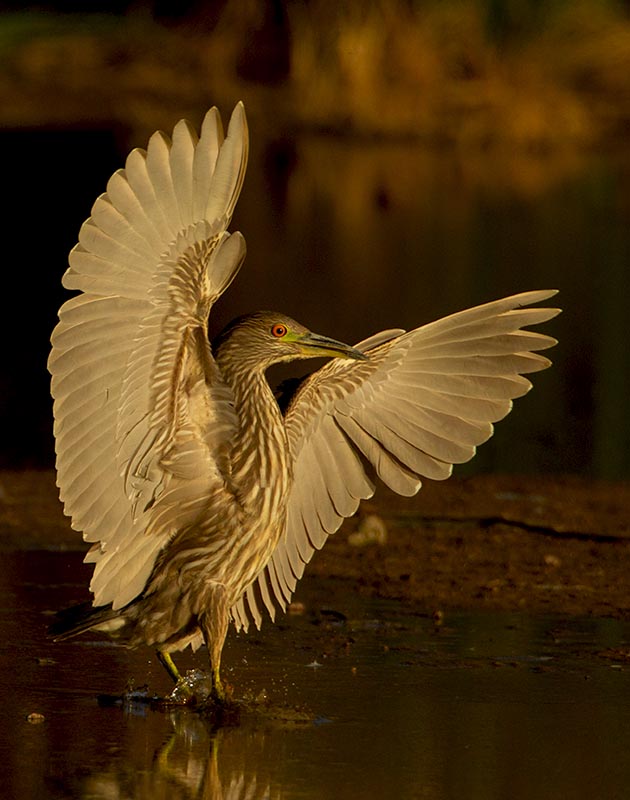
(50, 177)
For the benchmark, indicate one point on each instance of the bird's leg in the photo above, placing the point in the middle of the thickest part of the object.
(214, 620)
(183, 692)
(169, 665)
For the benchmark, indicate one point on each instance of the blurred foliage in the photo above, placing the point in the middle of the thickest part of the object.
(519, 73)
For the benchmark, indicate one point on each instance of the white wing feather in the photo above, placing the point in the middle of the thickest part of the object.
(130, 361)
(422, 402)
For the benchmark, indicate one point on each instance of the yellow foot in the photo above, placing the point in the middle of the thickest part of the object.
(218, 693)
(193, 689)
(221, 693)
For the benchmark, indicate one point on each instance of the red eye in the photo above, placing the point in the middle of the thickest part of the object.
(279, 330)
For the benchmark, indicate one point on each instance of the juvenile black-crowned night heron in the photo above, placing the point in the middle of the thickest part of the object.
(203, 501)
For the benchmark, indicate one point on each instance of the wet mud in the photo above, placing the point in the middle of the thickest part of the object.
(541, 544)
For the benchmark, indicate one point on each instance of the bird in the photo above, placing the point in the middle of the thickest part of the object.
(203, 498)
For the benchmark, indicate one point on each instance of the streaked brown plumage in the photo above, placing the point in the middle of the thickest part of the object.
(204, 502)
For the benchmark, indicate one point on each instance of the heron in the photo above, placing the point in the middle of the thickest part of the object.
(202, 499)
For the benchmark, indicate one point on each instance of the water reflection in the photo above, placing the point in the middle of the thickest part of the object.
(193, 762)
(489, 707)
(484, 706)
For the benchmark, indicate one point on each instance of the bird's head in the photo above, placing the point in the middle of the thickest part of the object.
(256, 341)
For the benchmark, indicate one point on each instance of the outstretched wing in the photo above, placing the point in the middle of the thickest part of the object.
(422, 402)
(141, 413)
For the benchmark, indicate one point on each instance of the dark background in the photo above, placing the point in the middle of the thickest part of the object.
(408, 160)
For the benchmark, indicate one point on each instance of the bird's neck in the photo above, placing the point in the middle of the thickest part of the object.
(260, 462)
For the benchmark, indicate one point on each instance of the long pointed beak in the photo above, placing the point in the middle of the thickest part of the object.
(323, 346)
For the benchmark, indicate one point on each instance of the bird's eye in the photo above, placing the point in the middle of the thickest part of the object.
(279, 330)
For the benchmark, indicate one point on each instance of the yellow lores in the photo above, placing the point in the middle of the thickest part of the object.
(203, 501)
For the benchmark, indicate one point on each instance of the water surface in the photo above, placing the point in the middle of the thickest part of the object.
(482, 705)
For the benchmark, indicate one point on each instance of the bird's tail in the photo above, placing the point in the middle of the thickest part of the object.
(77, 619)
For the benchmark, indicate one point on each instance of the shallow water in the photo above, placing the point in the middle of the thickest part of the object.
(479, 706)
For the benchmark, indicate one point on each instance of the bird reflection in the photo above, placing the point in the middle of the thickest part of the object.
(194, 761)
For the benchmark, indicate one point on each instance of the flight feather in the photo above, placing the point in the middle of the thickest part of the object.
(423, 401)
(137, 450)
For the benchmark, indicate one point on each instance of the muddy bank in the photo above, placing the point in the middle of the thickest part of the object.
(537, 544)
